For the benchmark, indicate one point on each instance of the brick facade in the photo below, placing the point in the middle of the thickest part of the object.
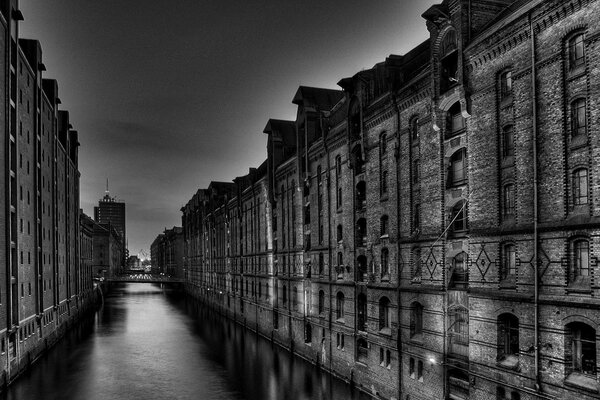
(433, 224)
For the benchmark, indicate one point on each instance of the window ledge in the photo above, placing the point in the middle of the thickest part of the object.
(341, 321)
(386, 236)
(417, 338)
(386, 331)
(384, 197)
(509, 361)
(582, 381)
(576, 72)
(578, 141)
(506, 101)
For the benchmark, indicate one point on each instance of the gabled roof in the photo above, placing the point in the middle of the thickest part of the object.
(286, 129)
(323, 99)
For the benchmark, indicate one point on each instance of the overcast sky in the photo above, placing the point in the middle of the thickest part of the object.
(168, 95)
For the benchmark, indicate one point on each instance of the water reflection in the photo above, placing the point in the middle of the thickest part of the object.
(150, 343)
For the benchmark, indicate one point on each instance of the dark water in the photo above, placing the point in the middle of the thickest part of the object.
(149, 343)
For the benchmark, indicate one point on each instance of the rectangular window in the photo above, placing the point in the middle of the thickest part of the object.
(580, 187)
(578, 117)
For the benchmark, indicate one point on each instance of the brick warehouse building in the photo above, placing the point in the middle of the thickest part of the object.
(42, 288)
(431, 230)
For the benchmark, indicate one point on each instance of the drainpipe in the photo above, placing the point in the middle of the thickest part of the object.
(535, 207)
(397, 155)
(329, 247)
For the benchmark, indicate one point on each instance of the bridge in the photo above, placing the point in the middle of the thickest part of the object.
(143, 277)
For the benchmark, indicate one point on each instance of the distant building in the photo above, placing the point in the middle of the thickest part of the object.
(430, 231)
(86, 253)
(166, 253)
(40, 286)
(110, 211)
(133, 262)
(108, 250)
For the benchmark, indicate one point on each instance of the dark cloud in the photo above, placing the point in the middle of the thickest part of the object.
(169, 95)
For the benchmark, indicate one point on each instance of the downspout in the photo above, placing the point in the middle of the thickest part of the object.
(535, 207)
(326, 148)
(397, 156)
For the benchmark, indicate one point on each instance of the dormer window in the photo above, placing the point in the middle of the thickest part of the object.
(354, 120)
(448, 61)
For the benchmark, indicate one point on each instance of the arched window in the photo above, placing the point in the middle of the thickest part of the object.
(448, 52)
(505, 85)
(416, 320)
(339, 235)
(580, 187)
(508, 145)
(578, 117)
(576, 51)
(384, 313)
(384, 225)
(361, 268)
(458, 168)
(361, 232)
(321, 301)
(509, 264)
(362, 312)
(339, 306)
(340, 259)
(508, 340)
(414, 129)
(385, 263)
(580, 349)
(459, 217)
(580, 260)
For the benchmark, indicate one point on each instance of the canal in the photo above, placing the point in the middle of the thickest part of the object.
(151, 343)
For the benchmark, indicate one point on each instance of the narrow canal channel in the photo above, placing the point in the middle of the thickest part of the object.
(150, 343)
